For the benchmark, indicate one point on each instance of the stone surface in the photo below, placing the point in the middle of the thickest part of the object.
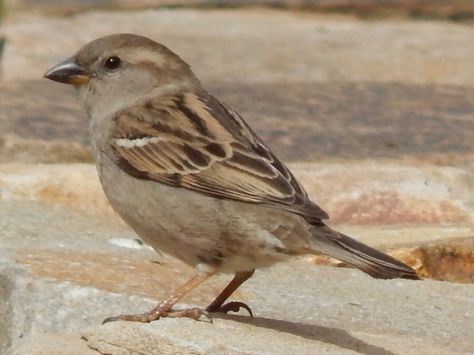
(297, 306)
(257, 46)
(5, 313)
(301, 122)
(454, 9)
(374, 193)
(75, 186)
(52, 344)
(451, 260)
(39, 110)
(64, 268)
(320, 90)
(30, 150)
(308, 105)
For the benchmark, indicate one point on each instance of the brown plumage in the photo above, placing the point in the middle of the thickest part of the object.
(190, 147)
(191, 177)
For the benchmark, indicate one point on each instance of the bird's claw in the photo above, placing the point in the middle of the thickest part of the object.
(232, 307)
(155, 314)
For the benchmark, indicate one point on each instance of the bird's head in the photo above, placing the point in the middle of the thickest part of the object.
(120, 68)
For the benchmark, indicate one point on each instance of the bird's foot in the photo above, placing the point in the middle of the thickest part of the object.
(159, 312)
(230, 307)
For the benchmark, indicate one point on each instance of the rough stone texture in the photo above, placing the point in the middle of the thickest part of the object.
(301, 122)
(5, 313)
(53, 344)
(450, 261)
(64, 269)
(298, 306)
(258, 46)
(385, 193)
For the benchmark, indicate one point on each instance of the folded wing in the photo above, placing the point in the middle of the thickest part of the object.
(192, 141)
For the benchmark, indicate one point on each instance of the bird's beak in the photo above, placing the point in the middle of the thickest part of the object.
(68, 72)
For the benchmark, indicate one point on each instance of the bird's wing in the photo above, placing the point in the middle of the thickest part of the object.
(193, 141)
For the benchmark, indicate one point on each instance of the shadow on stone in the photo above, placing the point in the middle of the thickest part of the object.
(335, 336)
(300, 121)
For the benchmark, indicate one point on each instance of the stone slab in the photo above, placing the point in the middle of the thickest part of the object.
(300, 121)
(370, 193)
(257, 45)
(63, 269)
(52, 344)
(297, 306)
(67, 261)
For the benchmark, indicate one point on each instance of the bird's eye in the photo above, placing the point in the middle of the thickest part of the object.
(112, 62)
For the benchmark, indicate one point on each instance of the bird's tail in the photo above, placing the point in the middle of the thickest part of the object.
(361, 256)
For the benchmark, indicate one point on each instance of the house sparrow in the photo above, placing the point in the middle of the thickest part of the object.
(191, 177)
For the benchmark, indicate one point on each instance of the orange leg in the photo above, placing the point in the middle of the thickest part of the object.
(164, 309)
(218, 304)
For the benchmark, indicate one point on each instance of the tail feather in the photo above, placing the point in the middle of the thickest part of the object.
(359, 255)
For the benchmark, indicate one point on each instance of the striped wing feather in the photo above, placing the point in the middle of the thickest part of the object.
(192, 141)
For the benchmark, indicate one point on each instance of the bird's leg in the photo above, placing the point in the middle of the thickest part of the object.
(164, 309)
(218, 306)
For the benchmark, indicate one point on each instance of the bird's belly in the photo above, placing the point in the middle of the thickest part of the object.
(195, 228)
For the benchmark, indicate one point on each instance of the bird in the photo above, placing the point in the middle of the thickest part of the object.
(191, 177)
